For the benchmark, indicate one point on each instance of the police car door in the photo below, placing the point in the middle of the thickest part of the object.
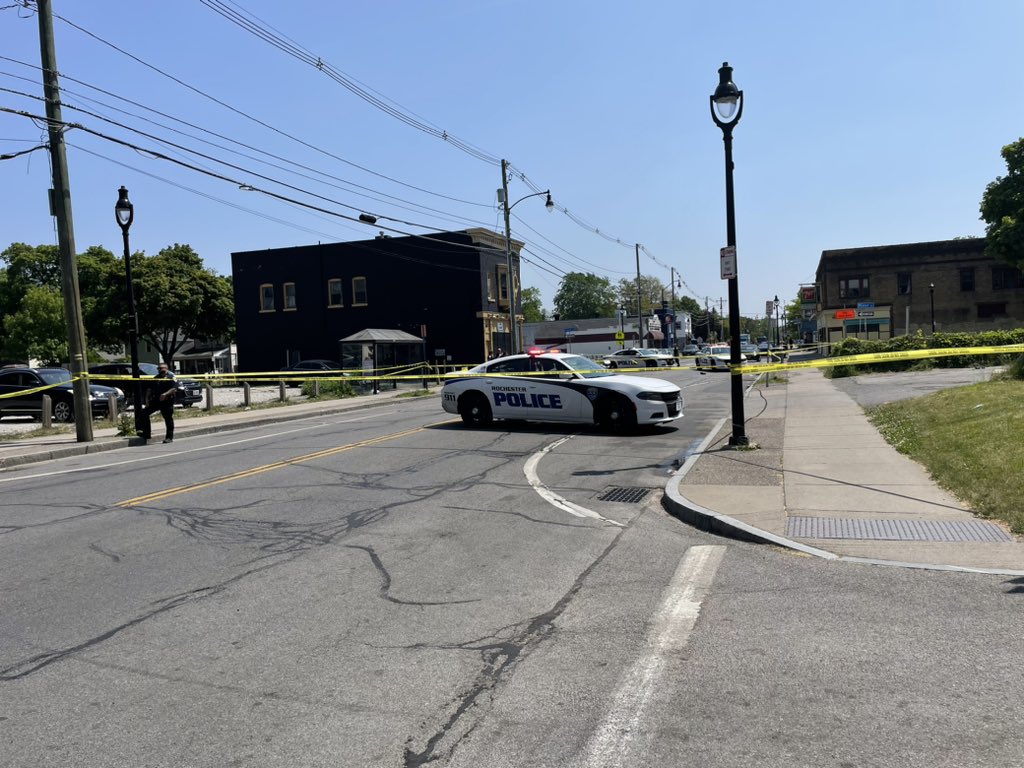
(506, 387)
(548, 389)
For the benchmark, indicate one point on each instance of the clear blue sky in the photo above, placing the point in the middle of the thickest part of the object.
(864, 123)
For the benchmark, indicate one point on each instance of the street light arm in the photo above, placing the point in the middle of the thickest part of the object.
(549, 204)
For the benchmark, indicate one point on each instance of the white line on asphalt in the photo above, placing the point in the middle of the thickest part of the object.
(163, 455)
(530, 470)
(615, 741)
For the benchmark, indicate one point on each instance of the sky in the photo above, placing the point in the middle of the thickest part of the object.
(869, 123)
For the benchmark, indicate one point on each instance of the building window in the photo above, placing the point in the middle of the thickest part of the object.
(334, 297)
(503, 285)
(490, 287)
(967, 279)
(266, 298)
(1006, 278)
(289, 296)
(359, 298)
(994, 309)
(854, 288)
(903, 283)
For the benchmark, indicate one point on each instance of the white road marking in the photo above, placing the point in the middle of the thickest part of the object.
(614, 741)
(530, 470)
(164, 454)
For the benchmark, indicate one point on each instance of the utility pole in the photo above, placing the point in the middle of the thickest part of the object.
(60, 208)
(639, 311)
(513, 348)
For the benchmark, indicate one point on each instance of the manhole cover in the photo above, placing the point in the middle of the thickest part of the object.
(894, 530)
(627, 495)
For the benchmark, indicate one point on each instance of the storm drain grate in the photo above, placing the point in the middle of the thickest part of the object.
(894, 530)
(627, 495)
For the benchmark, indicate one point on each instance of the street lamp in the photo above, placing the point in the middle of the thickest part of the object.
(726, 110)
(778, 334)
(124, 212)
(509, 277)
(931, 293)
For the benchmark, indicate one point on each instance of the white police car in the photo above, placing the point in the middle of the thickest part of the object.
(553, 386)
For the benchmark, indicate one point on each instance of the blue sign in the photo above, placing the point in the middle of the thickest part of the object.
(571, 330)
(866, 305)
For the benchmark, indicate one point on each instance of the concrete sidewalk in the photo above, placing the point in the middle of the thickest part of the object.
(18, 452)
(823, 481)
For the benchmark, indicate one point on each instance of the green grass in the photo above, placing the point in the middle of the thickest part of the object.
(971, 441)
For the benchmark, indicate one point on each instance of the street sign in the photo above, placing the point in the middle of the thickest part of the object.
(619, 335)
(570, 331)
(769, 307)
(866, 305)
(865, 313)
(728, 259)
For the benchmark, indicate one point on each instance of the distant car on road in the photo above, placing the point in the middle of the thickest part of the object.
(638, 357)
(751, 351)
(22, 390)
(690, 350)
(189, 391)
(716, 358)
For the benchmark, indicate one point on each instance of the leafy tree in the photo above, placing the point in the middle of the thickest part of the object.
(652, 291)
(533, 309)
(104, 298)
(1002, 209)
(178, 299)
(584, 295)
(37, 330)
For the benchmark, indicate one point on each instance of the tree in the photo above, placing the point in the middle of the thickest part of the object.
(178, 299)
(37, 330)
(652, 291)
(584, 295)
(1002, 209)
(533, 309)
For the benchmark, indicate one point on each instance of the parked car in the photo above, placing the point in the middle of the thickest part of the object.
(554, 386)
(637, 357)
(310, 369)
(716, 358)
(189, 391)
(749, 349)
(22, 390)
(690, 350)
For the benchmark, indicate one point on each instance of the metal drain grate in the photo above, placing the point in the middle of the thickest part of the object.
(627, 495)
(894, 530)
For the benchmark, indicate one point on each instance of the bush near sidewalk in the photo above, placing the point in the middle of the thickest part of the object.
(853, 346)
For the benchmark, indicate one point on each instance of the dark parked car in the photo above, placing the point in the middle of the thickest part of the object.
(189, 390)
(22, 390)
(311, 369)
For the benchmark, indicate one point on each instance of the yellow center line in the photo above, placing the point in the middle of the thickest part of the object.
(158, 495)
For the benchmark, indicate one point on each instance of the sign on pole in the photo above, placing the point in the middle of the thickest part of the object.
(728, 259)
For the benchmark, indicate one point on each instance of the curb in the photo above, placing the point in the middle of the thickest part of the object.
(708, 520)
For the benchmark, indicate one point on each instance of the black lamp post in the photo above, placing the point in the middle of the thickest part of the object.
(778, 334)
(931, 294)
(726, 110)
(124, 211)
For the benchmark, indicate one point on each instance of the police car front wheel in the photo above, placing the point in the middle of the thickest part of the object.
(474, 409)
(612, 412)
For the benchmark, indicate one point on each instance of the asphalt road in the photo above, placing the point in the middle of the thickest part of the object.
(390, 588)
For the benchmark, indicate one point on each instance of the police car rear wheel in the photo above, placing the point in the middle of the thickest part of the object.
(474, 409)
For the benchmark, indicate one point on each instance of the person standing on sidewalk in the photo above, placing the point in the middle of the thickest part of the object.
(162, 396)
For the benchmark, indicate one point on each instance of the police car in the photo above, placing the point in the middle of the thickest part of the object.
(554, 386)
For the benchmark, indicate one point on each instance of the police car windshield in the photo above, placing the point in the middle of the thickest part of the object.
(588, 369)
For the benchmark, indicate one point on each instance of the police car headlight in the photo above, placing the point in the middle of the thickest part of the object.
(651, 396)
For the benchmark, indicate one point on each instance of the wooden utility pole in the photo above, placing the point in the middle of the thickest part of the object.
(60, 207)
